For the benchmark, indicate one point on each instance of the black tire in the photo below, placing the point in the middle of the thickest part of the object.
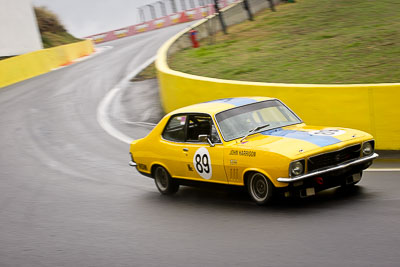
(260, 188)
(164, 182)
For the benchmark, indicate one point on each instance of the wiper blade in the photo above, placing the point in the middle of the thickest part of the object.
(254, 130)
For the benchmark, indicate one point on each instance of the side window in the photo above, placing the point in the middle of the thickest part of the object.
(201, 125)
(214, 135)
(175, 129)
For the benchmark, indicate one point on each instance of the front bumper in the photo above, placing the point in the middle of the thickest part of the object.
(330, 169)
(132, 163)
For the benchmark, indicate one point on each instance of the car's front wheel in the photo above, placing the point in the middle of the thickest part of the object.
(164, 182)
(260, 188)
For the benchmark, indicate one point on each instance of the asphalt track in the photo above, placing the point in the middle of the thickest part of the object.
(69, 198)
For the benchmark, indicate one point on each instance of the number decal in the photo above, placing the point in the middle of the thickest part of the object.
(205, 163)
(199, 167)
(328, 132)
(202, 163)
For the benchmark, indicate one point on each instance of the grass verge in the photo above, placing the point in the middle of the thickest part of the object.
(147, 73)
(52, 31)
(311, 41)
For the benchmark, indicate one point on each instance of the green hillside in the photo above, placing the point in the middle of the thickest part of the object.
(52, 31)
(311, 41)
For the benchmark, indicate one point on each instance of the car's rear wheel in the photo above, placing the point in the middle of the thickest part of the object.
(260, 188)
(164, 182)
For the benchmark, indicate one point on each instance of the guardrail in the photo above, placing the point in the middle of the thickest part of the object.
(369, 107)
(19, 68)
(161, 22)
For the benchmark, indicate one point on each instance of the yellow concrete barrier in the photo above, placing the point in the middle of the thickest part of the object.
(32, 64)
(373, 108)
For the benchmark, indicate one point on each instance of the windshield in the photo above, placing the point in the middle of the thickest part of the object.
(238, 122)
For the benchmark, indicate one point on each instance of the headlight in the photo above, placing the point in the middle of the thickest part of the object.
(296, 168)
(368, 148)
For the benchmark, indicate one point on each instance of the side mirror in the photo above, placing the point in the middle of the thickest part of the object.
(205, 138)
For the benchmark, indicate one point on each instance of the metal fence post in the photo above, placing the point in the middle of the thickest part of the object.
(246, 6)
(221, 19)
(163, 8)
(272, 5)
(141, 14)
(152, 11)
(183, 4)
(173, 6)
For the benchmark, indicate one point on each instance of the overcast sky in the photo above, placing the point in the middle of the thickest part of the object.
(86, 17)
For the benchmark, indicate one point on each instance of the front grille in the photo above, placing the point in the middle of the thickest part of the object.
(333, 158)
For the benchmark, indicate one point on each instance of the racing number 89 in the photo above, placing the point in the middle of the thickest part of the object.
(202, 163)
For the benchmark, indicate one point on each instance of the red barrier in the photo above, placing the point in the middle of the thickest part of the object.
(180, 17)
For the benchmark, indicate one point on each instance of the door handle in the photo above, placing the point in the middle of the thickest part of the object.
(186, 149)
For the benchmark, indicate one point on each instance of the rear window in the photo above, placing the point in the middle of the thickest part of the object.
(175, 129)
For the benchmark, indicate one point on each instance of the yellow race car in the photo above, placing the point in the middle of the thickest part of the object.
(255, 142)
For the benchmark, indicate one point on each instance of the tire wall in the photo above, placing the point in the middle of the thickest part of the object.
(373, 108)
(19, 68)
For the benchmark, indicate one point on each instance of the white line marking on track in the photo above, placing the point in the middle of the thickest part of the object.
(383, 170)
(102, 111)
(104, 120)
(139, 123)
